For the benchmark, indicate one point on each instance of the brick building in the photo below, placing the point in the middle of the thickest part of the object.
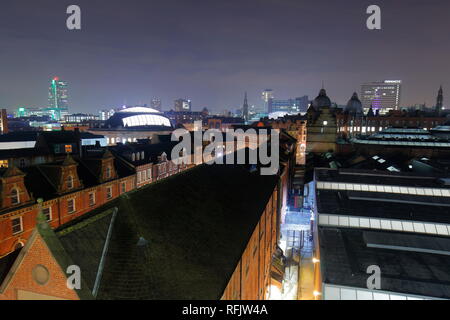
(218, 247)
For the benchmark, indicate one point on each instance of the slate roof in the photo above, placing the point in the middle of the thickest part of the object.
(192, 227)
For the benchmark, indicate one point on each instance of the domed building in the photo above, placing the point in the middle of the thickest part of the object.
(322, 128)
(133, 123)
(354, 106)
(138, 117)
(321, 100)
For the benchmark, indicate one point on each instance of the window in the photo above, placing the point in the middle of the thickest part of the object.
(108, 192)
(15, 199)
(22, 163)
(149, 173)
(108, 172)
(17, 226)
(144, 177)
(3, 163)
(92, 199)
(69, 182)
(68, 148)
(47, 213)
(139, 177)
(71, 205)
(124, 187)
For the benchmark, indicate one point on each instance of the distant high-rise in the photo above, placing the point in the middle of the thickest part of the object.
(183, 105)
(156, 104)
(267, 97)
(440, 101)
(3, 121)
(290, 106)
(245, 108)
(382, 96)
(58, 98)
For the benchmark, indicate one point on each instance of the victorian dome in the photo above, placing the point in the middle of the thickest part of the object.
(354, 105)
(321, 100)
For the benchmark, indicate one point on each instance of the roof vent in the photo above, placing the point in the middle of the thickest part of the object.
(142, 242)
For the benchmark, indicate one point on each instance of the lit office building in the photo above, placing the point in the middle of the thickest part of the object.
(382, 96)
(156, 104)
(183, 105)
(267, 97)
(291, 106)
(106, 114)
(58, 99)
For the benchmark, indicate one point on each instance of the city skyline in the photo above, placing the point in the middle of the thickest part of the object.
(214, 67)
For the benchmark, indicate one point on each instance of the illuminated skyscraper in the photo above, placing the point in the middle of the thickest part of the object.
(58, 98)
(382, 96)
(267, 97)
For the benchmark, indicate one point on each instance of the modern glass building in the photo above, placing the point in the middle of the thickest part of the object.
(381, 96)
(58, 99)
(291, 106)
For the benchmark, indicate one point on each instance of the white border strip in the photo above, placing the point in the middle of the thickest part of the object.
(421, 227)
(334, 292)
(432, 192)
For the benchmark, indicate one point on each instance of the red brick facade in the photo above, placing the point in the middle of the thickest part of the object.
(22, 283)
(251, 278)
(70, 205)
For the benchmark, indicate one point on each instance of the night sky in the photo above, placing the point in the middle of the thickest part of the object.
(212, 51)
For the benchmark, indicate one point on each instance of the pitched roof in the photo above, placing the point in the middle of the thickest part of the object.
(191, 237)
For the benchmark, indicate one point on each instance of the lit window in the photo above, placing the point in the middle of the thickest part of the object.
(17, 226)
(68, 148)
(124, 187)
(3, 163)
(71, 205)
(15, 199)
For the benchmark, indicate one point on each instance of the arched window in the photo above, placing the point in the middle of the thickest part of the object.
(133, 157)
(15, 199)
(69, 182)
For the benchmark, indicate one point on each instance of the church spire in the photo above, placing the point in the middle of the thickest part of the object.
(440, 101)
(245, 108)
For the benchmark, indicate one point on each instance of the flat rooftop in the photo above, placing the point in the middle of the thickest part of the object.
(384, 205)
(409, 263)
(380, 178)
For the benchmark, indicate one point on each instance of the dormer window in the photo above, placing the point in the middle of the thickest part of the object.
(133, 157)
(142, 155)
(15, 199)
(69, 182)
(138, 156)
(108, 173)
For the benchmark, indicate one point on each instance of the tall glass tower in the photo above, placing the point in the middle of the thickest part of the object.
(58, 99)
